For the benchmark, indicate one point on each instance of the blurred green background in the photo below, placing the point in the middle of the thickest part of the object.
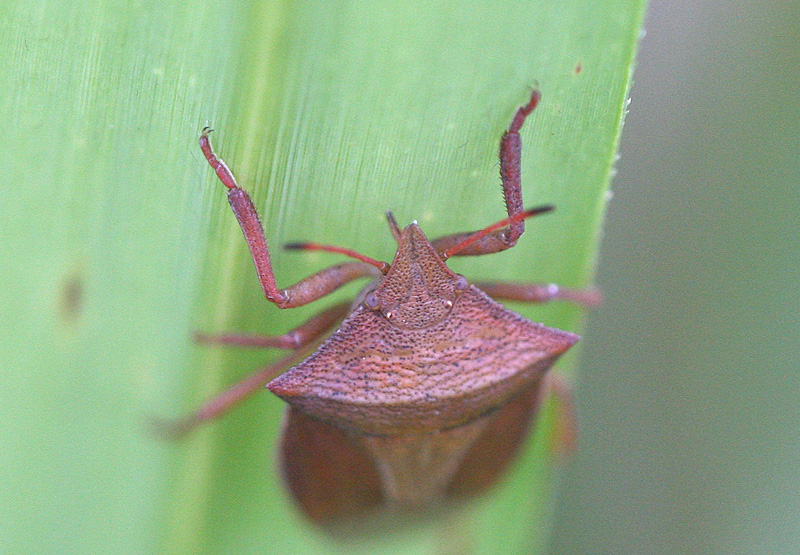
(690, 376)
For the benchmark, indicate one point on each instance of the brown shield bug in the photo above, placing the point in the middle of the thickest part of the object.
(427, 387)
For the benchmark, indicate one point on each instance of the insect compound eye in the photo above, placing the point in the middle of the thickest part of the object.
(372, 301)
(461, 284)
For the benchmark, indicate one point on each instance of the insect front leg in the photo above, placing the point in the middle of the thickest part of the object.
(510, 173)
(540, 293)
(303, 292)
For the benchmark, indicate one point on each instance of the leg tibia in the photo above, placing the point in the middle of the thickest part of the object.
(539, 293)
(294, 339)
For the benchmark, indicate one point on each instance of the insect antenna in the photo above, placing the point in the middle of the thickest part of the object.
(311, 246)
(478, 235)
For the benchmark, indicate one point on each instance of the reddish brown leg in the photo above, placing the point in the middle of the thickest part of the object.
(539, 293)
(510, 172)
(303, 292)
(565, 436)
(226, 400)
(295, 339)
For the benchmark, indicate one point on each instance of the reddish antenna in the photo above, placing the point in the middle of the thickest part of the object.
(311, 246)
(478, 235)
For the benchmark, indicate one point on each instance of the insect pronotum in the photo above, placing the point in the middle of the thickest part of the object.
(427, 386)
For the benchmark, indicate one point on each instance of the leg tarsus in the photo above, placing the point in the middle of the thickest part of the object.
(524, 111)
(221, 168)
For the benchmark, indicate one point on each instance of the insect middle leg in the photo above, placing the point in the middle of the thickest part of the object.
(296, 340)
(539, 293)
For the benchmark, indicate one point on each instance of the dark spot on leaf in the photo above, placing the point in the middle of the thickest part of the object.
(72, 297)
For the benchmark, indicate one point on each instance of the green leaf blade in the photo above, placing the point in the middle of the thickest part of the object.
(329, 114)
